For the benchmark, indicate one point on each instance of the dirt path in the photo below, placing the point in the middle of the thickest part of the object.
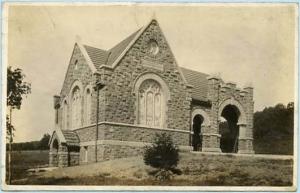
(121, 168)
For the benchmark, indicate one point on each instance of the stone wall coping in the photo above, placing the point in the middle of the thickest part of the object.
(245, 138)
(242, 124)
(133, 125)
(86, 56)
(244, 91)
(209, 134)
(224, 86)
(126, 143)
(209, 149)
(248, 85)
(216, 77)
(231, 83)
(60, 136)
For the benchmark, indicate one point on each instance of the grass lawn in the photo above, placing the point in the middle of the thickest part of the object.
(23, 160)
(197, 170)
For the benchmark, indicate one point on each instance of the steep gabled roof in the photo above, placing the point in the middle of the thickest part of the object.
(65, 137)
(199, 82)
(98, 56)
(107, 57)
(116, 51)
(101, 57)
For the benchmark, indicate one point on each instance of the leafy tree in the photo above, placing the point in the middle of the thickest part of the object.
(16, 89)
(43, 143)
(274, 129)
(163, 155)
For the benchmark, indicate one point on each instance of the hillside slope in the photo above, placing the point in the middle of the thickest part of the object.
(197, 169)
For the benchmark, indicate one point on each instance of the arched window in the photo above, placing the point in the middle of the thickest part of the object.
(76, 108)
(87, 107)
(65, 115)
(151, 104)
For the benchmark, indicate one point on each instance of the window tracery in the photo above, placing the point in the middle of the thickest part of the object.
(76, 108)
(150, 104)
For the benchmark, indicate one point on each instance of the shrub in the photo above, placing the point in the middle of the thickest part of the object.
(162, 155)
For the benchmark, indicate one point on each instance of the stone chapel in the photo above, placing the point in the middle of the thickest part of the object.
(113, 102)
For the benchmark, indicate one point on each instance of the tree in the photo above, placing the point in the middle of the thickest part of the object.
(162, 155)
(274, 129)
(43, 143)
(16, 89)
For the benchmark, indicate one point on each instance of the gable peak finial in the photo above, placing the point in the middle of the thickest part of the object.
(153, 17)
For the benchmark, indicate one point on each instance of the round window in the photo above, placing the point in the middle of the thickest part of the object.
(153, 47)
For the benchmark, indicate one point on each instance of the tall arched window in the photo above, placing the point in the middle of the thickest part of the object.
(65, 115)
(151, 104)
(76, 108)
(87, 107)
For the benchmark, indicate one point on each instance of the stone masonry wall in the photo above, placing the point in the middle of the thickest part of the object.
(141, 134)
(120, 101)
(220, 92)
(84, 75)
(114, 139)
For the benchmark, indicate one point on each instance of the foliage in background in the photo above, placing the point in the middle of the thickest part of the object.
(32, 145)
(274, 129)
(163, 155)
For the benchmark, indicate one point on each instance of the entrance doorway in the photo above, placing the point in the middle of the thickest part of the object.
(197, 137)
(229, 129)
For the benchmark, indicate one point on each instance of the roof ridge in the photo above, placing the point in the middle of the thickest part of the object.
(123, 40)
(85, 45)
(116, 50)
(193, 70)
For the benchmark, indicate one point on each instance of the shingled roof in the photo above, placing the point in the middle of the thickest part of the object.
(107, 57)
(98, 56)
(117, 50)
(199, 81)
(71, 137)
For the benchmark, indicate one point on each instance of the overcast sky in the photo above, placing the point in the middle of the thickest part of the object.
(243, 43)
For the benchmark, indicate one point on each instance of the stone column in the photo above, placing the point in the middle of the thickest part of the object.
(63, 156)
(52, 158)
(245, 142)
(210, 140)
(211, 136)
(249, 105)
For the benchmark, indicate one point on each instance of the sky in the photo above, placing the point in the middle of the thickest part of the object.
(246, 44)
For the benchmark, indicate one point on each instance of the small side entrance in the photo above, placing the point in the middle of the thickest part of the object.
(197, 136)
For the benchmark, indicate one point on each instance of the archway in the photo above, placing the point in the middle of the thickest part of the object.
(229, 129)
(197, 137)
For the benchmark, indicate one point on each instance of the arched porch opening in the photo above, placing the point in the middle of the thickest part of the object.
(197, 133)
(229, 129)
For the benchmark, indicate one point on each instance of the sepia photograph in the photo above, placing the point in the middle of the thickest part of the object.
(149, 96)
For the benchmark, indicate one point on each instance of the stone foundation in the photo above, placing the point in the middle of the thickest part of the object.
(118, 140)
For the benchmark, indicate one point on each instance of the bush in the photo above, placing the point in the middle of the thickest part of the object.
(162, 155)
